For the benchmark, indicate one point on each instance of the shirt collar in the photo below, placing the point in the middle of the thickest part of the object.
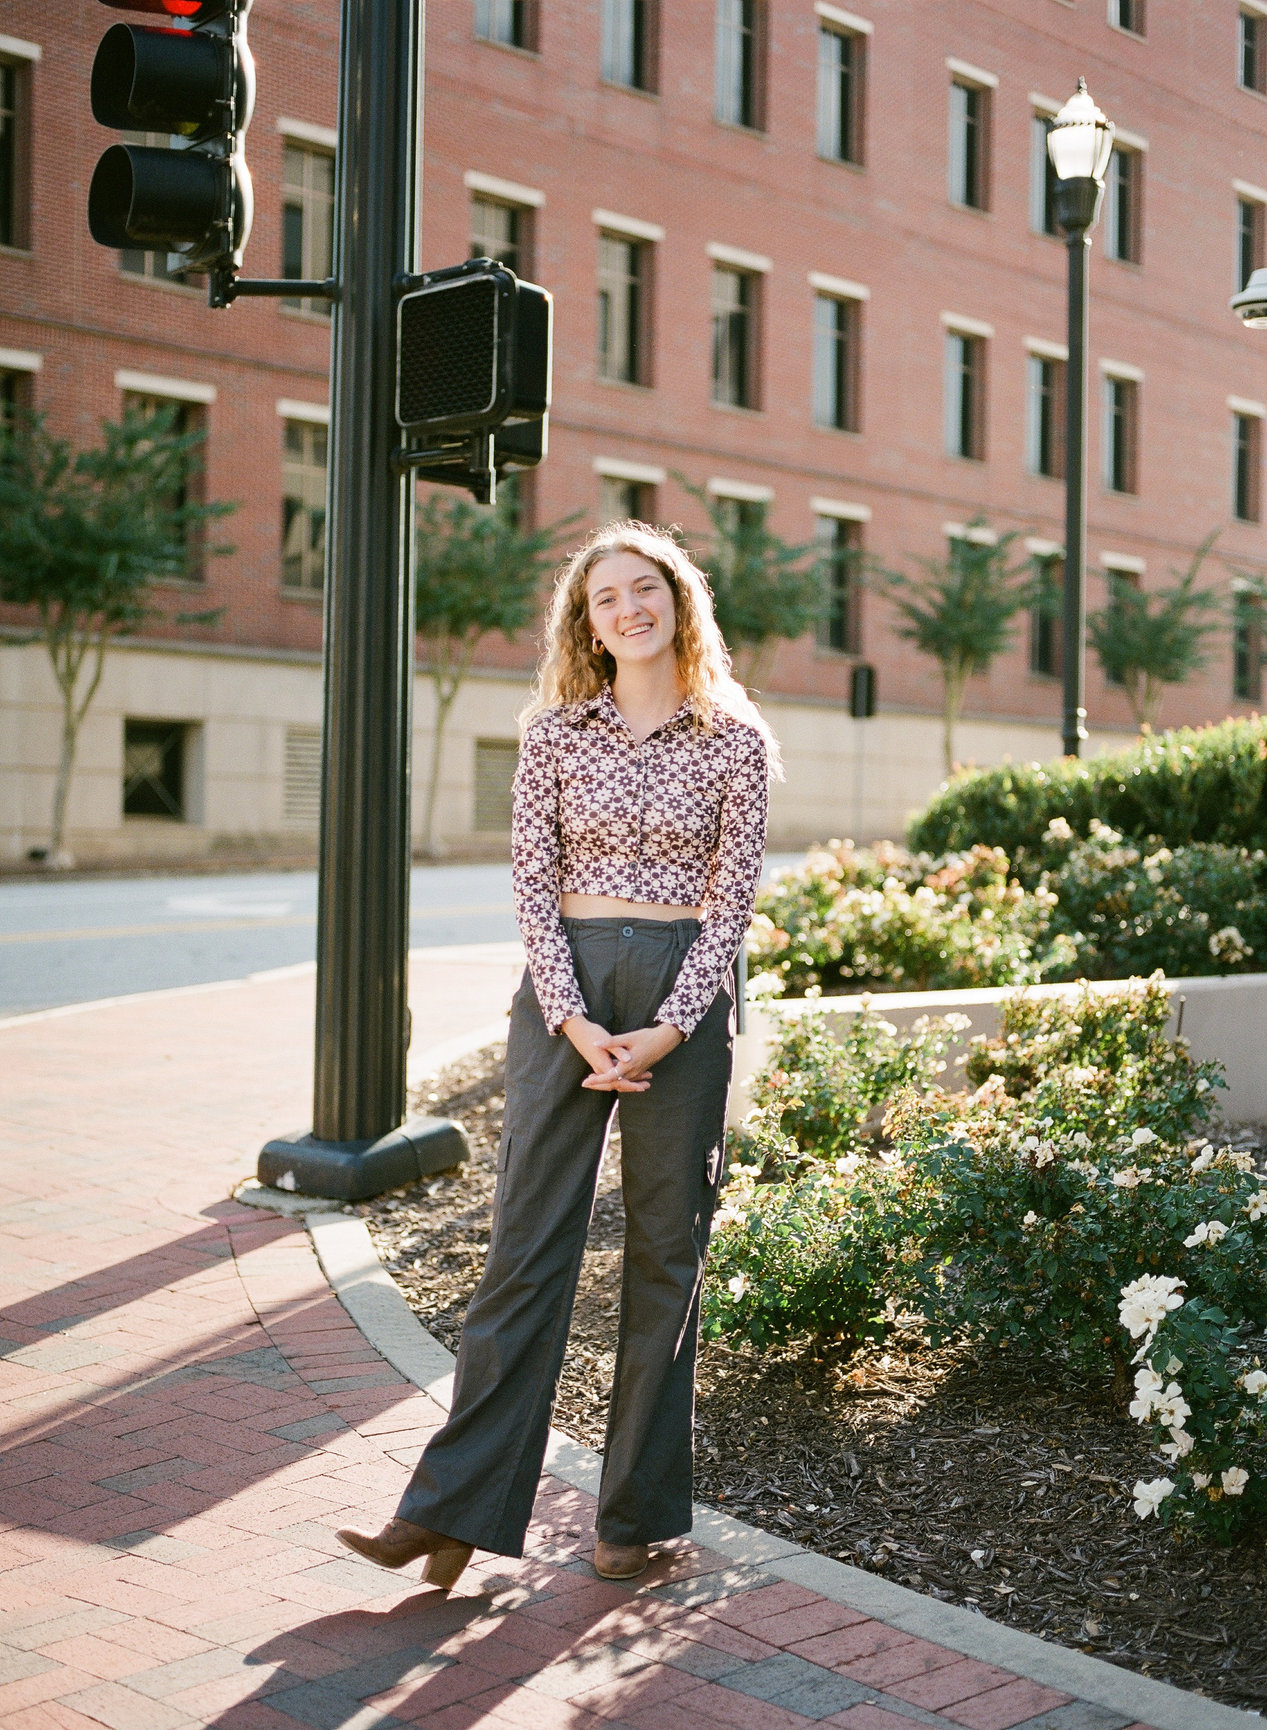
(603, 707)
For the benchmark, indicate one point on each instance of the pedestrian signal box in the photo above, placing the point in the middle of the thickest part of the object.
(473, 374)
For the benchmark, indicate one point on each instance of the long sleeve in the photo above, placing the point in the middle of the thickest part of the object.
(534, 853)
(726, 908)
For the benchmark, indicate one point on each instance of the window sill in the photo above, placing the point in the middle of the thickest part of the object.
(163, 822)
(1249, 90)
(738, 126)
(969, 209)
(848, 432)
(629, 384)
(842, 162)
(736, 408)
(182, 288)
(1113, 493)
(1121, 30)
(24, 252)
(1135, 264)
(507, 47)
(308, 596)
(305, 314)
(963, 457)
(629, 89)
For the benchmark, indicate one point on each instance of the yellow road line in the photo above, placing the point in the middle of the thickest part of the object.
(192, 926)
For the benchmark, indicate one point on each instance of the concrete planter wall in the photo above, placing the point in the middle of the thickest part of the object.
(1222, 1018)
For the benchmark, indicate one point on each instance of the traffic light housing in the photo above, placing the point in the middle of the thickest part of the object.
(194, 79)
(473, 373)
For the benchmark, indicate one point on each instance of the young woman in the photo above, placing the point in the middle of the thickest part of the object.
(638, 832)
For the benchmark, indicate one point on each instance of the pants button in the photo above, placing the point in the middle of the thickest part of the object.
(626, 931)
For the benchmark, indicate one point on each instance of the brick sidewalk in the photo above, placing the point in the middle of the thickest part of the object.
(188, 1412)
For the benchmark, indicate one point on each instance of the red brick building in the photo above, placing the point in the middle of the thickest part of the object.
(799, 258)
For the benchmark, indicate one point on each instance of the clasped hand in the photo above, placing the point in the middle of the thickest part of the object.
(621, 1062)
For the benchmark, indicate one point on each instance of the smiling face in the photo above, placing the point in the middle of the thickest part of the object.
(631, 609)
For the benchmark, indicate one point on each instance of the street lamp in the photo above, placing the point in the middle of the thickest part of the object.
(1080, 143)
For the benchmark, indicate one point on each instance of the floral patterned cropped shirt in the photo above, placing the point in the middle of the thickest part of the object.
(676, 821)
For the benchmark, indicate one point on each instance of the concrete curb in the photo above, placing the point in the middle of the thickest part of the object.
(378, 1307)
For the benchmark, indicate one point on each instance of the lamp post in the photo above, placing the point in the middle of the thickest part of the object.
(1079, 144)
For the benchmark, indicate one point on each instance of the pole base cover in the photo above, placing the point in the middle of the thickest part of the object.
(356, 1170)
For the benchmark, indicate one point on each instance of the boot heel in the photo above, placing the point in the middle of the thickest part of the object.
(444, 1567)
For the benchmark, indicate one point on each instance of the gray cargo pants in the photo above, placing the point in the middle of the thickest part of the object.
(477, 1478)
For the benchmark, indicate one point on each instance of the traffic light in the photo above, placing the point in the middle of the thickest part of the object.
(192, 78)
(473, 376)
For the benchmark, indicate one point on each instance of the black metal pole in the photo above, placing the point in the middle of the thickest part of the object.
(1074, 620)
(363, 892)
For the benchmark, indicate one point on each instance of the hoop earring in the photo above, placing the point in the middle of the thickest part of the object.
(595, 645)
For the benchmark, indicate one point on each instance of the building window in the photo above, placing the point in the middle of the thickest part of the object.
(739, 53)
(495, 763)
(154, 769)
(625, 501)
(1042, 178)
(513, 23)
(734, 337)
(1122, 586)
(622, 280)
(1252, 58)
(1121, 435)
(837, 327)
(1045, 417)
(185, 419)
(1247, 461)
(503, 232)
(1128, 15)
(307, 220)
(969, 145)
(1045, 619)
(840, 541)
(304, 506)
(629, 43)
(15, 396)
(301, 778)
(1247, 648)
(1123, 206)
(965, 395)
(841, 74)
(14, 134)
(1249, 239)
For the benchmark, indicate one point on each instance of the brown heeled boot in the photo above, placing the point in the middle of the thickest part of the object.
(400, 1542)
(620, 1561)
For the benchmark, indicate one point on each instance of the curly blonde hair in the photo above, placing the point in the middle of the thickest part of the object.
(571, 671)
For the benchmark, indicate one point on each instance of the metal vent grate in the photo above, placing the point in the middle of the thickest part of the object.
(301, 778)
(448, 351)
(495, 762)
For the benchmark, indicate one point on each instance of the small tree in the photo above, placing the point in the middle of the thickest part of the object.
(960, 612)
(84, 536)
(1146, 642)
(478, 571)
(763, 587)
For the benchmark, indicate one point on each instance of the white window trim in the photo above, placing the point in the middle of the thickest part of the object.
(966, 73)
(1122, 369)
(318, 413)
(1128, 562)
(1246, 188)
(632, 226)
(747, 491)
(617, 469)
(1040, 549)
(16, 49)
(307, 132)
(1044, 105)
(841, 509)
(755, 262)
(1247, 406)
(21, 360)
(1046, 350)
(840, 286)
(153, 384)
(846, 20)
(1256, 6)
(509, 191)
(1129, 140)
(964, 326)
(976, 534)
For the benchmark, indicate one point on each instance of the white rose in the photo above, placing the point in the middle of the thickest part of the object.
(1209, 1231)
(1201, 1480)
(1235, 1479)
(1145, 1301)
(1179, 1446)
(1031, 1218)
(1142, 1137)
(738, 1285)
(1204, 1159)
(1254, 1381)
(1149, 1497)
(1256, 1206)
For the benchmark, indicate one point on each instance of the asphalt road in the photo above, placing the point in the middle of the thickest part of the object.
(75, 942)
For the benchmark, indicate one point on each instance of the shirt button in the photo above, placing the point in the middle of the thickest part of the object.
(626, 931)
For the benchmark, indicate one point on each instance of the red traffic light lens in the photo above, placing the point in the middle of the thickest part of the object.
(181, 8)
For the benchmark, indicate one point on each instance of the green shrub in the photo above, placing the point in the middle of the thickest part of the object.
(1193, 784)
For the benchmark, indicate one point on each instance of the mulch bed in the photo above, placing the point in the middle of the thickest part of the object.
(993, 1481)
